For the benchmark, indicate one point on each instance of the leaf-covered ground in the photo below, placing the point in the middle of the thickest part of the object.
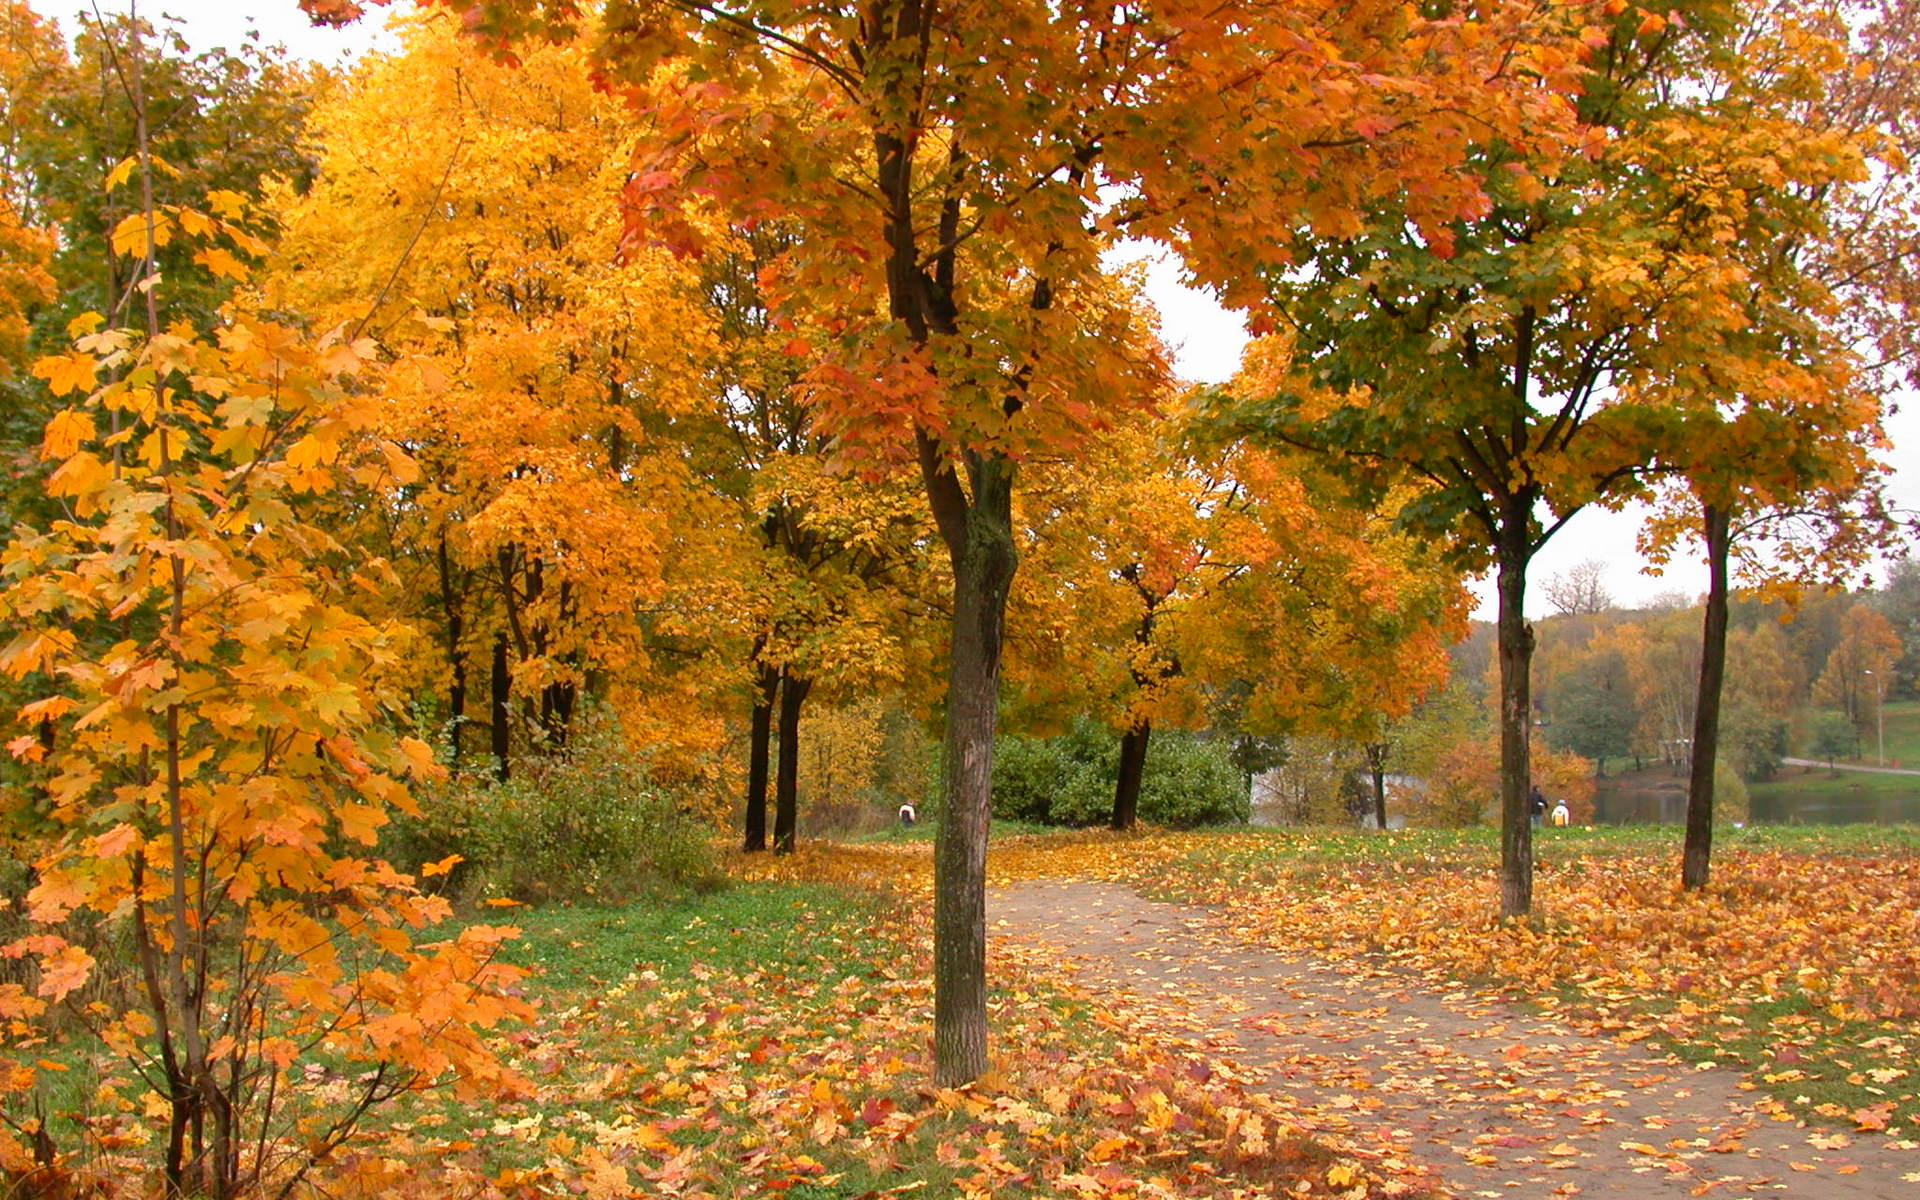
(774, 1039)
(1799, 964)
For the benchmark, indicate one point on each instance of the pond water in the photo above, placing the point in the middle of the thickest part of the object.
(1665, 803)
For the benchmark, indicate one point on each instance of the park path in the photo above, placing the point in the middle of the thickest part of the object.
(1846, 766)
(1495, 1099)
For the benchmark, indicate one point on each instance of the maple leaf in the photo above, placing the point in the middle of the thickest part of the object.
(62, 972)
(66, 373)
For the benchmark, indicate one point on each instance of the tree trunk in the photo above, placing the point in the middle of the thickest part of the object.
(984, 561)
(786, 797)
(456, 654)
(1377, 767)
(500, 709)
(1716, 523)
(1133, 766)
(759, 744)
(1516, 718)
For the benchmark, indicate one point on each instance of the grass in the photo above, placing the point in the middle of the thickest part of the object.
(1901, 722)
(772, 1037)
(750, 926)
(924, 829)
(1817, 793)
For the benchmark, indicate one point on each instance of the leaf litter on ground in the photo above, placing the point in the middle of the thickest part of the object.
(775, 1039)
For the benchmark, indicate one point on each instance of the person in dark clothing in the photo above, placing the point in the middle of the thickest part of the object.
(1537, 805)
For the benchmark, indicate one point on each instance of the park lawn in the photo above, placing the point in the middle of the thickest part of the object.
(1901, 721)
(774, 1038)
(1800, 964)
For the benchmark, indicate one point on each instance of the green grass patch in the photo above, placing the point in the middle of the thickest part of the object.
(746, 927)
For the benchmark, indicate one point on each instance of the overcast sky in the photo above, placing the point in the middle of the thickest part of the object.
(1206, 338)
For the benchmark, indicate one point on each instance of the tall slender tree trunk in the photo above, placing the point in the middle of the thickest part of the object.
(786, 797)
(500, 710)
(1133, 769)
(456, 652)
(983, 568)
(759, 746)
(1516, 714)
(1716, 524)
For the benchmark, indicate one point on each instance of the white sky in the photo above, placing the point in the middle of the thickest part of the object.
(1207, 339)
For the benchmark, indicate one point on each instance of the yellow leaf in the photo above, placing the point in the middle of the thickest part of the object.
(119, 175)
(221, 263)
(66, 372)
(1107, 1149)
(227, 203)
(68, 429)
(130, 235)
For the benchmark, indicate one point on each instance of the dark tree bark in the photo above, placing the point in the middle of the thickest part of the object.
(984, 559)
(1377, 767)
(501, 708)
(450, 601)
(1716, 524)
(760, 744)
(557, 698)
(1149, 670)
(786, 797)
(1133, 768)
(1516, 710)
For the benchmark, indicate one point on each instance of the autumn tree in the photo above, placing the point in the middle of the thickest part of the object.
(225, 121)
(1188, 570)
(951, 168)
(1781, 409)
(1526, 366)
(1860, 668)
(558, 541)
(212, 735)
(838, 586)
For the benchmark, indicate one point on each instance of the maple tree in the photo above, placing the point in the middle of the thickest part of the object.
(211, 740)
(968, 149)
(1857, 671)
(556, 537)
(1566, 329)
(229, 121)
(843, 560)
(1782, 409)
(1190, 571)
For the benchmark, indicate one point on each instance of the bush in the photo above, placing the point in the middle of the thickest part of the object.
(1730, 802)
(1070, 779)
(1832, 738)
(1755, 743)
(584, 825)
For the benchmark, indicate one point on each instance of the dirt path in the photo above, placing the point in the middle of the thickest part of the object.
(1498, 1101)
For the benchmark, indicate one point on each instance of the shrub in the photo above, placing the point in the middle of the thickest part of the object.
(1044, 779)
(1069, 780)
(1832, 738)
(1753, 742)
(586, 824)
(1730, 802)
